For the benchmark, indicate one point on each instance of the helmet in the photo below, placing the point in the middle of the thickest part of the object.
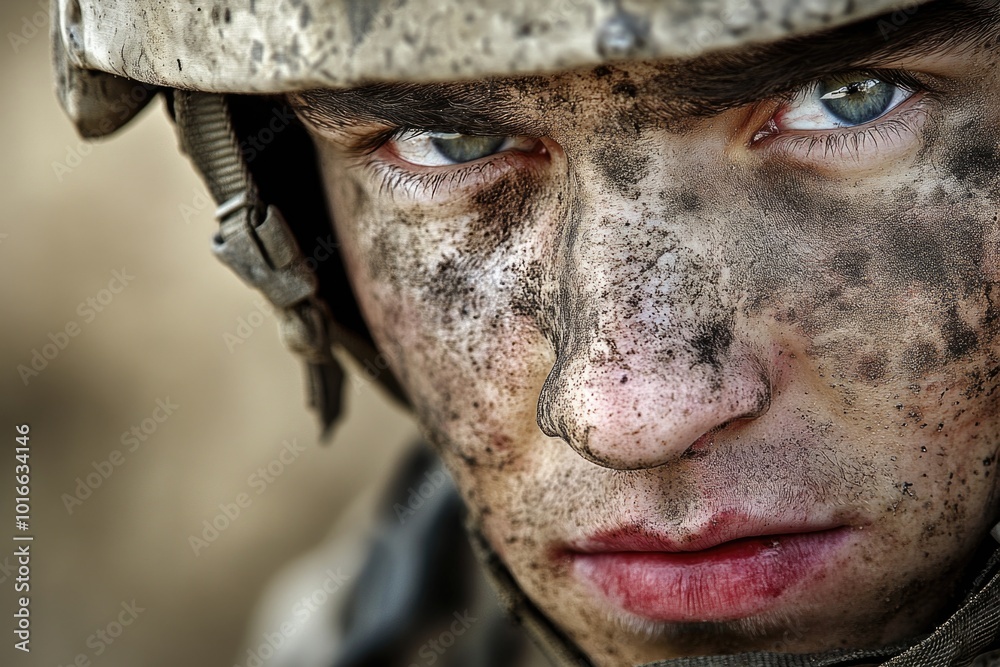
(273, 46)
(222, 67)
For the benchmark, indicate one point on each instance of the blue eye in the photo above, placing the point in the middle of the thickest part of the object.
(465, 148)
(439, 149)
(442, 149)
(857, 101)
(841, 101)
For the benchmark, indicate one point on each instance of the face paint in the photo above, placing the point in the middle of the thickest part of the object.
(660, 350)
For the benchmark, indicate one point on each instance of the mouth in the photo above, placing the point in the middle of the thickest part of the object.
(729, 570)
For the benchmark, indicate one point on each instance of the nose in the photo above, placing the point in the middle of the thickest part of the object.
(640, 411)
(651, 357)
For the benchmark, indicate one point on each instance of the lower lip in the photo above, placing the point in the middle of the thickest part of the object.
(728, 582)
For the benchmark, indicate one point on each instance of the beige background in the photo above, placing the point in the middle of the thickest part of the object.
(61, 236)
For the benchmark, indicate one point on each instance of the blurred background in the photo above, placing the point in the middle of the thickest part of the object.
(71, 215)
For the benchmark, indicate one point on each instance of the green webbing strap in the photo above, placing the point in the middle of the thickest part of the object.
(207, 137)
(257, 244)
(828, 659)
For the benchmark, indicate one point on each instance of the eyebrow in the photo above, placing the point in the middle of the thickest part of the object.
(704, 85)
(470, 108)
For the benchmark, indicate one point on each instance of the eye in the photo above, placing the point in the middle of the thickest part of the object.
(439, 149)
(840, 101)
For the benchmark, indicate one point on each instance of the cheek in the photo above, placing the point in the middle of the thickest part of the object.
(884, 293)
(450, 292)
(885, 283)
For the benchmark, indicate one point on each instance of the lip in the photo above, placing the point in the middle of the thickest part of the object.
(731, 568)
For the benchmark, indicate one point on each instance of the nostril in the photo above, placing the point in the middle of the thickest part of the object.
(547, 425)
(703, 444)
(544, 412)
(758, 409)
(762, 404)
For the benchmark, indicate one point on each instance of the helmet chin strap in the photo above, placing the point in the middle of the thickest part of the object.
(960, 641)
(257, 244)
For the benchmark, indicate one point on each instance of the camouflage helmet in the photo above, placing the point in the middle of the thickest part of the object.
(275, 46)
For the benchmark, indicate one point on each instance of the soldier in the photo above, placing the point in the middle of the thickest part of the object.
(693, 300)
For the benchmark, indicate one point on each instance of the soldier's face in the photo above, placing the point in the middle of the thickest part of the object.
(709, 346)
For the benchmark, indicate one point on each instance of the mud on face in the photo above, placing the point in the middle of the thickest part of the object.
(640, 324)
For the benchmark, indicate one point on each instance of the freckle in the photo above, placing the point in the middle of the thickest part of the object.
(872, 368)
(690, 201)
(917, 359)
(960, 338)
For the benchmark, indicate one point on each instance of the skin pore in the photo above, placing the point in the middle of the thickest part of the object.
(644, 297)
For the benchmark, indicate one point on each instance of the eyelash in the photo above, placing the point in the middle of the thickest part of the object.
(849, 142)
(428, 180)
(370, 145)
(394, 176)
(841, 144)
